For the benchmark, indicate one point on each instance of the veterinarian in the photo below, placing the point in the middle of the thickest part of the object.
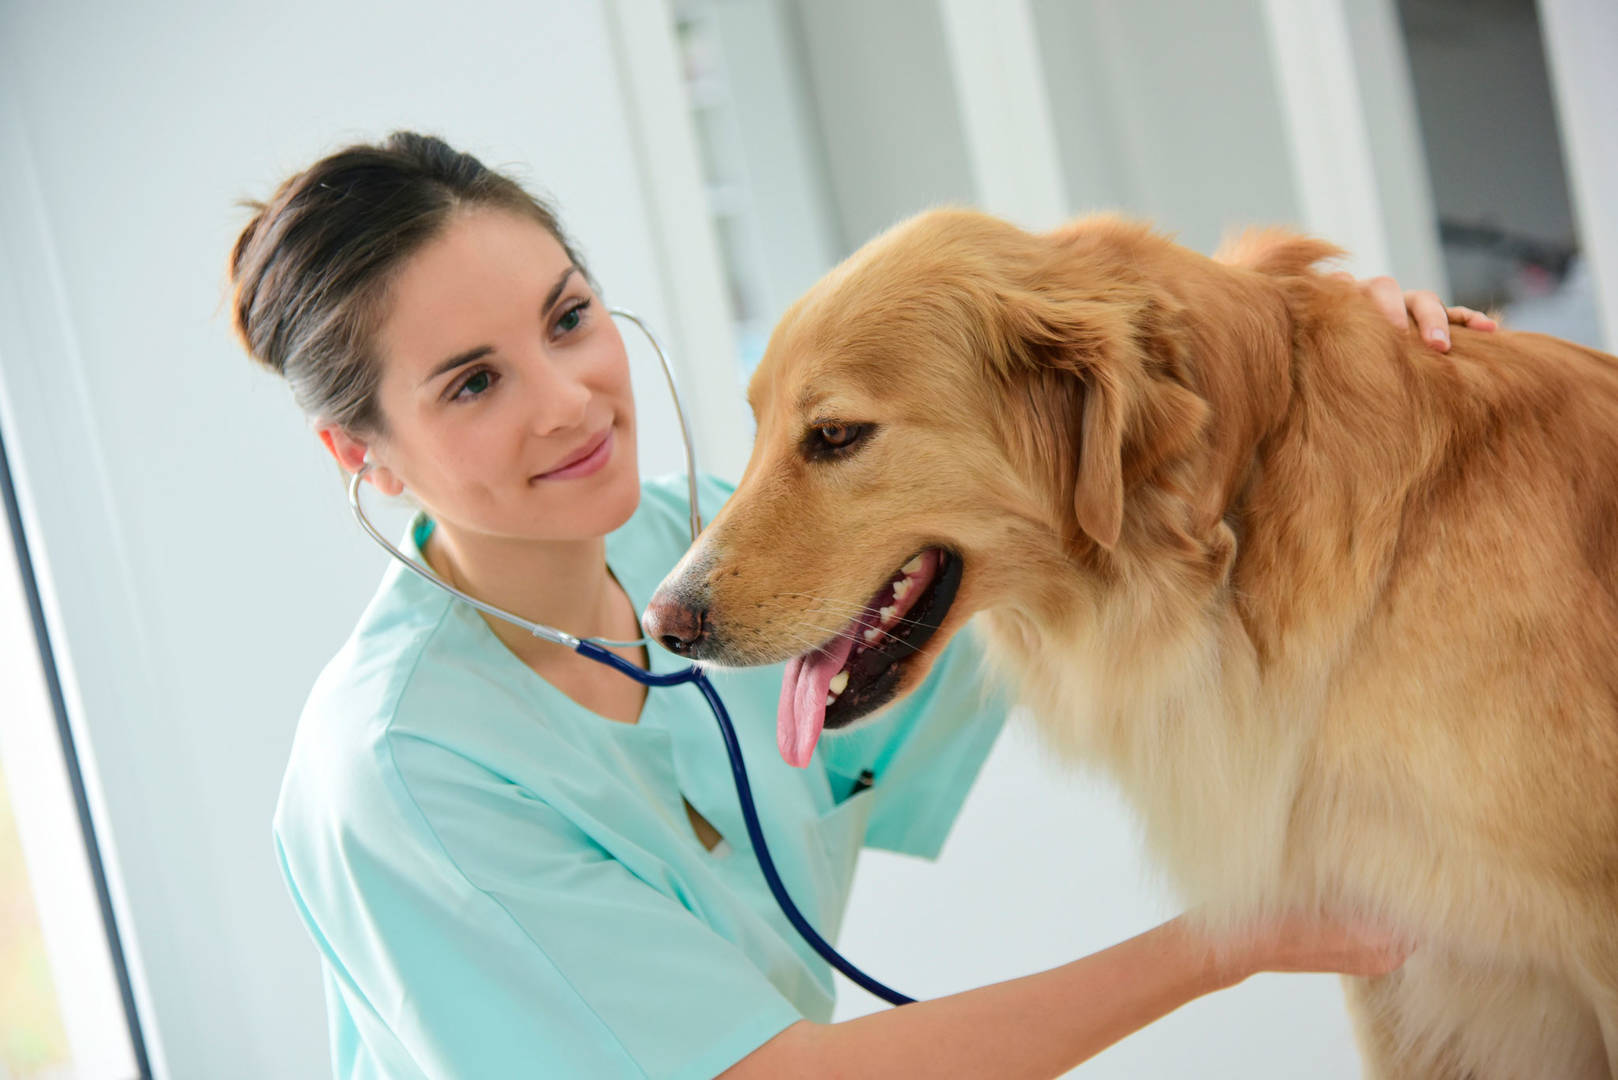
(514, 862)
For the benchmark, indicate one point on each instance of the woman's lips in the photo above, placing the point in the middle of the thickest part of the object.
(592, 460)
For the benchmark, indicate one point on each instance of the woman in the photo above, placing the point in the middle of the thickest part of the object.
(514, 861)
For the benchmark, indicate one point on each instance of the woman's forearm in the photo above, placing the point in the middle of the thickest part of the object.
(1036, 1026)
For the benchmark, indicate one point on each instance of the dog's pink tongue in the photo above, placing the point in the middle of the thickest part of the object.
(802, 712)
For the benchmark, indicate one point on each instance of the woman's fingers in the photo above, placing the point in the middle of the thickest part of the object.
(1401, 307)
(1432, 320)
(1389, 299)
(1472, 319)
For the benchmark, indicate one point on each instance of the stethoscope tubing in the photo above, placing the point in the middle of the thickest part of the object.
(744, 795)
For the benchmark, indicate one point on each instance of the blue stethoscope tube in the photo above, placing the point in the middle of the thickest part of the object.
(744, 795)
(597, 651)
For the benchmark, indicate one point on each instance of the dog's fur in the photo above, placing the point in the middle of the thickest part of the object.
(1338, 613)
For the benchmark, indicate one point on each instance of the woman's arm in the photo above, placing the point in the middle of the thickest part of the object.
(1042, 1025)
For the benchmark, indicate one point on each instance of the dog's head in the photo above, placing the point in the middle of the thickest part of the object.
(948, 422)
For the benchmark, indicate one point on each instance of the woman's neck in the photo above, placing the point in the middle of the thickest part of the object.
(565, 584)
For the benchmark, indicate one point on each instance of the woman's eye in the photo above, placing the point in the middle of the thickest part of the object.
(474, 385)
(572, 317)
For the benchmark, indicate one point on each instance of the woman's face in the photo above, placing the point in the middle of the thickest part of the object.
(504, 387)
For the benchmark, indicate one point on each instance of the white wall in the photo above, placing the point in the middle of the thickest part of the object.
(1384, 74)
(1181, 127)
(776, 129)
(199, 557)
(1005, 111)
(885, 100)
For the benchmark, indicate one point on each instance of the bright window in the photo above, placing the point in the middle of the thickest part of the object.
(62, 999)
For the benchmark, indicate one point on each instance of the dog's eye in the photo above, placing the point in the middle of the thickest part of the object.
(831, 438)
(837, 435)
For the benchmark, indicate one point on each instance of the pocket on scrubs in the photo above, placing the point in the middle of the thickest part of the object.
(842, 833)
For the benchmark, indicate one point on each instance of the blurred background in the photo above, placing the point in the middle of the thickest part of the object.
(178, 562)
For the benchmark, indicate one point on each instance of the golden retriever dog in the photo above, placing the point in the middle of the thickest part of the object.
(1338, 613)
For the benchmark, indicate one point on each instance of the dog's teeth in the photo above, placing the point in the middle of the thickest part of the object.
(901, 587)
(888, 613)
(873, 633)
(839, 683)
(912, 566)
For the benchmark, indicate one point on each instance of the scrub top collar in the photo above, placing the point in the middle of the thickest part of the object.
(638, 582)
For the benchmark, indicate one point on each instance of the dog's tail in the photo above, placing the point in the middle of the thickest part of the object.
(1281, 252)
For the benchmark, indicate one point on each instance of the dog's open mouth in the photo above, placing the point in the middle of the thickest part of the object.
(858, 670)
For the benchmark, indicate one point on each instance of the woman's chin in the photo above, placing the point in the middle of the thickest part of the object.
(614, 500)
(624, 500)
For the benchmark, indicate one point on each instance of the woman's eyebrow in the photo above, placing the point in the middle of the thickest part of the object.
(556, 290)
(457, 360)
(480, 351)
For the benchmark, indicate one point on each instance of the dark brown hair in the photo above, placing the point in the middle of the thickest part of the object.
(310, 272)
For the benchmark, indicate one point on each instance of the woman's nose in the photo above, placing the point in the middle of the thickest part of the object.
(564, 400)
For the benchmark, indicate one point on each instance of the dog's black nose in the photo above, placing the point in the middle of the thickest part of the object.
(676, 625)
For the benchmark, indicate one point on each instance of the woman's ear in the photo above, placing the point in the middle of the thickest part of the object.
(352, 454)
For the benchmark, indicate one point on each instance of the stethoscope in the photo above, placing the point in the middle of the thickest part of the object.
(596, 649)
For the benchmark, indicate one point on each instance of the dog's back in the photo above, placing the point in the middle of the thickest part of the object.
(1451, 560)
(1467, 768)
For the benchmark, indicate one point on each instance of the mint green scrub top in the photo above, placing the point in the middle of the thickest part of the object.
(501, 883)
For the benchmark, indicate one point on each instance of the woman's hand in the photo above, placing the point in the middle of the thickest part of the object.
(1405, 306)
(1302, 943)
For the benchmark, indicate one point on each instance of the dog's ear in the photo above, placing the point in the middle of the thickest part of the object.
(1098, 490)
(1122, 407)
(1068, 347)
